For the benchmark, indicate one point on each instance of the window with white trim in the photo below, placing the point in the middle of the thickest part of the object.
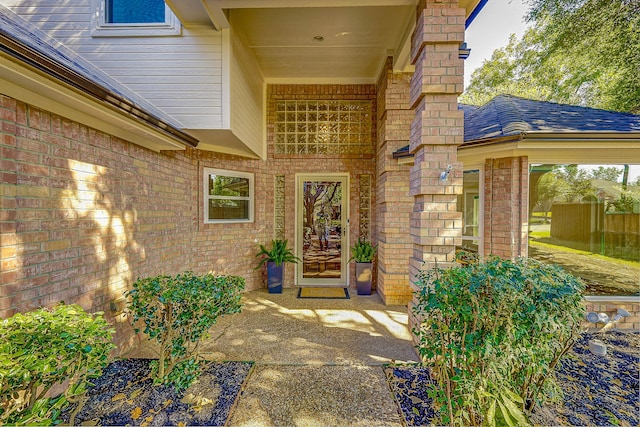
(126, 18)
(469, 204)
(228, 196)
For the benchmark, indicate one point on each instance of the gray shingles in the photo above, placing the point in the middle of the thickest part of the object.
(508, 115)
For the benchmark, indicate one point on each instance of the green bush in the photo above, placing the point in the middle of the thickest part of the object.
(47, 347)
(177, 311)
(279, 253)
(363, 251)
(492, 334)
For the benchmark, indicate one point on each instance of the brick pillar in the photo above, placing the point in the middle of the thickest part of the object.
(394, 204)
(8, 227)
(436, 132)
(506, 207)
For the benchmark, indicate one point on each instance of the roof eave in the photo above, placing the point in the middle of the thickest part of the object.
(557, 148)
(34, 60)
(554, 136)
(534, 144)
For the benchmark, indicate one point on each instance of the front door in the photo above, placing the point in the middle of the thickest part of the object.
(321, 229)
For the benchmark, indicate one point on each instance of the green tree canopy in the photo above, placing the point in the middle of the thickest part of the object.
(581, 52)
(574, 183)
(608, 173)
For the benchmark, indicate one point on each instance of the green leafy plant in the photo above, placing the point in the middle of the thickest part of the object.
(492, 334)
(363, 251)
(279, 253)
(44, 348)
(177, 311)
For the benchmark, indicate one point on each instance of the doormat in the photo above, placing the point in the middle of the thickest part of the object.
(330, 293)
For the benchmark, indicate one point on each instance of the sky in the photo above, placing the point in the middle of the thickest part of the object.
(491, 29)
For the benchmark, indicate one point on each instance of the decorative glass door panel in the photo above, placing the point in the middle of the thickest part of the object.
(322, 230)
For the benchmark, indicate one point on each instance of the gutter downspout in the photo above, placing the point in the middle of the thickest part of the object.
(475, 13)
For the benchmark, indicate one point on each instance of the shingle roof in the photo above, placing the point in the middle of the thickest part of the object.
(510, 115)
(507, 115)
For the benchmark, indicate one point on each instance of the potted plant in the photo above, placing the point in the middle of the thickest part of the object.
(362, 252)
(275, 259)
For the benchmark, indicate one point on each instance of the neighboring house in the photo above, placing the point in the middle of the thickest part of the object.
(152, 141)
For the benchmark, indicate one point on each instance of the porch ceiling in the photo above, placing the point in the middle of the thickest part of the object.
(357, 35)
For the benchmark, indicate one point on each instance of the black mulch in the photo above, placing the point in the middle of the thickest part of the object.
(125, 395)
(598, 390)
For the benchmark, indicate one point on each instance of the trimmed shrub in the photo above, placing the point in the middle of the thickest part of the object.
(177, 312)
(492, 334)
(48, 347)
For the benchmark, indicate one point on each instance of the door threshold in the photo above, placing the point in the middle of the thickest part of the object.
(321, 285)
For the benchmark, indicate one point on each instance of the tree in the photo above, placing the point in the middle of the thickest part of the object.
(581, 52)
(514, 70)
(573, 184)
(608, 173)
(548, 190)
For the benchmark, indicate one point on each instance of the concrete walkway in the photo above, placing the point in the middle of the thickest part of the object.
(318, 361)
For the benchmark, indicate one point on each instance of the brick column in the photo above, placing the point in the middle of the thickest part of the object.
(394, 204)
(436, 132)
(8, 228)
(506, 207)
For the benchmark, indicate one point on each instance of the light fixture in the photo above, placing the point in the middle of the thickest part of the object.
(318, 39)
(620, 314)
(608, 322)
(597, 317)
(444, 175)
(463, 51)
(593, 317)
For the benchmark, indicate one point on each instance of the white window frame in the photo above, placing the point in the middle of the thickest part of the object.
(211, 171)
(479, 239)
(101, 28)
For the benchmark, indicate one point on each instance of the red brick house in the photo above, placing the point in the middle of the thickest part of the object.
(180, 139)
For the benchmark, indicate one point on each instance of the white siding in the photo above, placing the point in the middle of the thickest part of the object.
(180, 75)
(247, 95)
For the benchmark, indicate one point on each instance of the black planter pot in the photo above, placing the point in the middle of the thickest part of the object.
(274, 277)
(364, 273)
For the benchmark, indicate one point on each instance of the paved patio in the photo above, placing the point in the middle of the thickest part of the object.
(318, 361)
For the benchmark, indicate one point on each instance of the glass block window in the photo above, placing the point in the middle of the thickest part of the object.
(323, 127)
(228, 196)
(279, 208)
(365, 206)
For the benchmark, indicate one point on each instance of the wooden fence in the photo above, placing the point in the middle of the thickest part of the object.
(622, 230)
(588, 223)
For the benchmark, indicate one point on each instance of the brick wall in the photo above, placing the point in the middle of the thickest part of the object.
(610, 306)
(506, 204)
(394, 201)
(436, 132)
(83, 214)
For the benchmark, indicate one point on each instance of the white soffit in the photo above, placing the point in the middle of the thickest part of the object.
(357, 36)
(595, 149)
